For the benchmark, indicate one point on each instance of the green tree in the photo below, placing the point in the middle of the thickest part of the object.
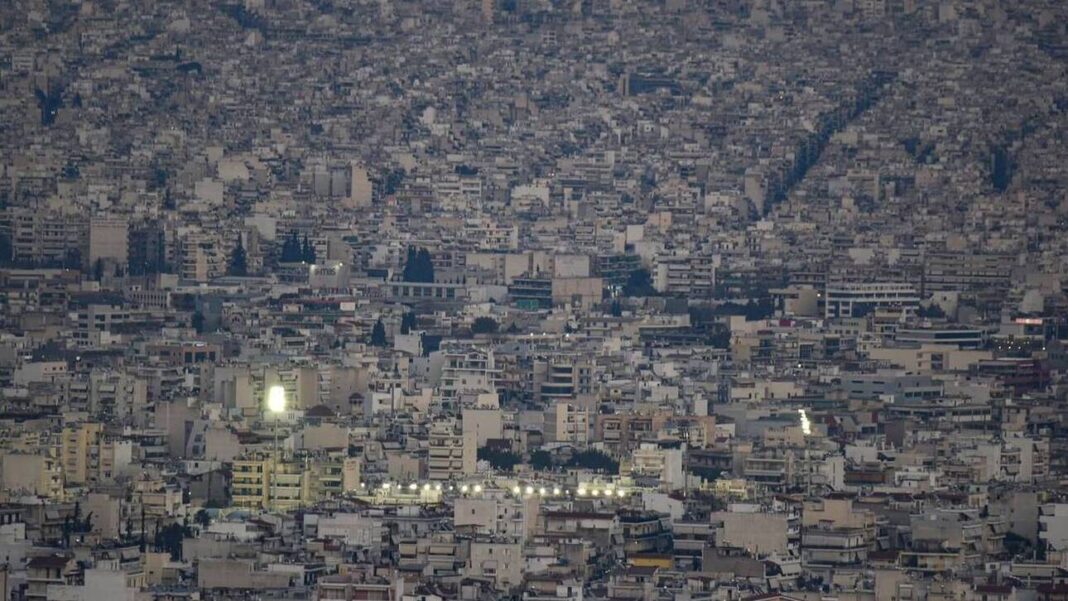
(238, 260)
(291, 250)
(409, 265)
(307, 251)
(708, 473)
(73, 259)
(426, 266)
(431, 343)
(592, 459)
(170, 539)
(759, 309)
(392, 181)
(541, 460)
(378, 334)
(418, 266)
(500, 460)
(6, 250)
(639, 283)
(484, 325)
(407, 322)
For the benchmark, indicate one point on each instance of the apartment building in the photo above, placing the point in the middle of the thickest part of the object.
(450, 455)
(857, 299)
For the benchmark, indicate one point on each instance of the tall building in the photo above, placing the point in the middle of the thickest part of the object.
(46, 238)
(565, 422)
(89, 456)
(450, 455)
(147, 249)
(361, 190)
(108, 240)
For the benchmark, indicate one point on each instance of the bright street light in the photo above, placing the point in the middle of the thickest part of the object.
(276, 399)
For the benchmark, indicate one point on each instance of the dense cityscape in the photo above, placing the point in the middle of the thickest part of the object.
(536, 300)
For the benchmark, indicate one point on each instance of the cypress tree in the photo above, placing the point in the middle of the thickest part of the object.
(378, 334)
(239, 260)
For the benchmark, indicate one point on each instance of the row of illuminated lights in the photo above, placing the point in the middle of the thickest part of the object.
(582, 491)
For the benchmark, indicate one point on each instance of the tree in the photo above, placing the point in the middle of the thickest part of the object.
(541, 460)
(594, 460)
(198, 322)
(307, 251)
(616, 310)
(238, 260)
(73, 259)
(407, 322)
(378, 334)
(639, 283)
(760, 309)
(418, 267)
(500, 460)
(6, 250)
(291, 250)
(409, 265)
(708, 473)
(426, 266)
(430, 342)
(49, 104)
(392, 181)
(484, 325)
(170, 539)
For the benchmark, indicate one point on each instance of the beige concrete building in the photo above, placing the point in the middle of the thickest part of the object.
(500, 561)
(760, 533)
(450, 455)
(88, 456)
(565, 422)
(34, 474)
(108, 240)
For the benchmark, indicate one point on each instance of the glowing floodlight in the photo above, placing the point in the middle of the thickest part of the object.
(276, 399)
(806, 425)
